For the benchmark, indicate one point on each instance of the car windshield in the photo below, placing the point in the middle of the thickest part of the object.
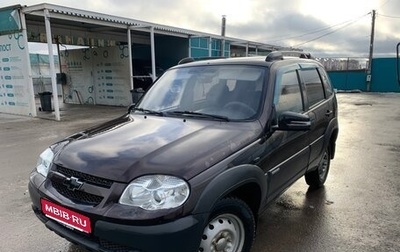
(223, 92)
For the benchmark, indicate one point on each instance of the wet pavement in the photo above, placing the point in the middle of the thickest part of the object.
(357, 210)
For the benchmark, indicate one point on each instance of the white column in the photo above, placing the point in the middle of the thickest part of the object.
(130, 57)
(52, 67)
(153, 53)
(30, 82)
(209, 47)
(190, 46)
(223, 48)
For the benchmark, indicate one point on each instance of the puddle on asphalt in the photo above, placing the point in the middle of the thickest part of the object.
(288, 203)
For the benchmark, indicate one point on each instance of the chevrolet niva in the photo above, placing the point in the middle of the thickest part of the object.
(192, 165)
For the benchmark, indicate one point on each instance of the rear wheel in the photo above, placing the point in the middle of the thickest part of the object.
(231, 228)
(317, 178)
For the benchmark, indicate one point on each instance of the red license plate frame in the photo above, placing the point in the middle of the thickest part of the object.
(66, 216)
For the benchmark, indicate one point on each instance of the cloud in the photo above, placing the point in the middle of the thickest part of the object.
(283, 23)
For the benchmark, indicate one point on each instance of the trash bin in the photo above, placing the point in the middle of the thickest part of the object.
(45, 101)
(136, 94)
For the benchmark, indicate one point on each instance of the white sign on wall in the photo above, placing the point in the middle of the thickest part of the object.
(97, 76)
(16, 92)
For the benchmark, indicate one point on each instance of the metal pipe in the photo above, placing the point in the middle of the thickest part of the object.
(153, 54)
(209, 47)
(397, 63)
(59, 55)
(190, 46)
(29, 68)
(52, 66)
(371, 52)
(223, 28)
(130, 59)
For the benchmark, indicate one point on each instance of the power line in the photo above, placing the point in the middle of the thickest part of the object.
(333, 31)
(387, 16)
(313, 31)
(308, 33)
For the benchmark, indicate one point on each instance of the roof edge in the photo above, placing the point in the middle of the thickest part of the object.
(132, 23)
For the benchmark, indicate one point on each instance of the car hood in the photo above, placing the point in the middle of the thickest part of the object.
(135, 145)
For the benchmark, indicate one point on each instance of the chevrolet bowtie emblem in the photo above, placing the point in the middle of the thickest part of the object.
(73, 183)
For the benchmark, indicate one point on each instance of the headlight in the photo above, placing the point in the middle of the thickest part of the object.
(154, 192)
(44, 162)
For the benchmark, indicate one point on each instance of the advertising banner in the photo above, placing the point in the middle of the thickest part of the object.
(16, 93)
(97, 76)
(10, 21)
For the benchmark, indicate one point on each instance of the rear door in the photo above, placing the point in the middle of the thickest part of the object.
(319, 107)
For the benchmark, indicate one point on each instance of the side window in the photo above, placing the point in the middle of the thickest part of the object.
(326, 82)
(287, 93)
(314, 88)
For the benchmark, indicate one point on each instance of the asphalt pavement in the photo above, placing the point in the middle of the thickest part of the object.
(357, 210)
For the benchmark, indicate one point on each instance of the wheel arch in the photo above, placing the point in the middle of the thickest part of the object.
(332, 142)
(246, 182)
(251, 194)
(331, 135)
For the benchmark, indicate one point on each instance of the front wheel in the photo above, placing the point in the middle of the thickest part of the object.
(317, 178)
(231, 228)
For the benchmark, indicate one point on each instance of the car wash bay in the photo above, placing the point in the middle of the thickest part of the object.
(102, 58)
(99, 72)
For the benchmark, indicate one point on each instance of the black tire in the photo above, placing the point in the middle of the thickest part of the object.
(317, 178)
(231, 227)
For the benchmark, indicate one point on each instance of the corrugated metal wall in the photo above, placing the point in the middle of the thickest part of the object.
(384, 77)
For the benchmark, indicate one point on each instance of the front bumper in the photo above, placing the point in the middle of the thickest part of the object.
(182, 234)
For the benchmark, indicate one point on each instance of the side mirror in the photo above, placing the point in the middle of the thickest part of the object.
(292, 121)
(137, 93)
(131, 107)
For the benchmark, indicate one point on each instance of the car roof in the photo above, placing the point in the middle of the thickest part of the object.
(266, 61)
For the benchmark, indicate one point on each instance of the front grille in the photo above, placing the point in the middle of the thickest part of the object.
(110, 246)
(77, 196)
(84, 177)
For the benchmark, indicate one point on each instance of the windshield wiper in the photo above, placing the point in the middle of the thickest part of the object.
(149, 111)
(197, 114)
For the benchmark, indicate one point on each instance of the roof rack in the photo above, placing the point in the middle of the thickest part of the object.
(190, 59)
(278, 55)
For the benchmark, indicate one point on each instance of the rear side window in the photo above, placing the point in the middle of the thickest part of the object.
(314, 87)
(326, 82)
(287, 93)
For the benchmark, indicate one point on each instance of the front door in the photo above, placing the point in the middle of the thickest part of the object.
(286, 152)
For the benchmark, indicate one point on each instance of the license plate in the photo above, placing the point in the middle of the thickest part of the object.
(65, 216)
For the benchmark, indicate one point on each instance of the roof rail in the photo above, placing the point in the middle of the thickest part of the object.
(185, 60)
(278, 55)
(190, 59)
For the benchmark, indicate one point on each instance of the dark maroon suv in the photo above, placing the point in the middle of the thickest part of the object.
(195, 161)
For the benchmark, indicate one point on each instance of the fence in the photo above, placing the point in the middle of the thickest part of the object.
(351, 74)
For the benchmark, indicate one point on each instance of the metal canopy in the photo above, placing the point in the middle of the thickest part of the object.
(60, 20)
(94, 21)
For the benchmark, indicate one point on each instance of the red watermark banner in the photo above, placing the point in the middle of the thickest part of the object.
(65, 216)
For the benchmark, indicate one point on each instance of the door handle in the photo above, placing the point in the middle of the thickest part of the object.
(329, 112)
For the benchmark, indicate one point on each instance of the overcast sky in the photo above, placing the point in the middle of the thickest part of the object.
(323, 27)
